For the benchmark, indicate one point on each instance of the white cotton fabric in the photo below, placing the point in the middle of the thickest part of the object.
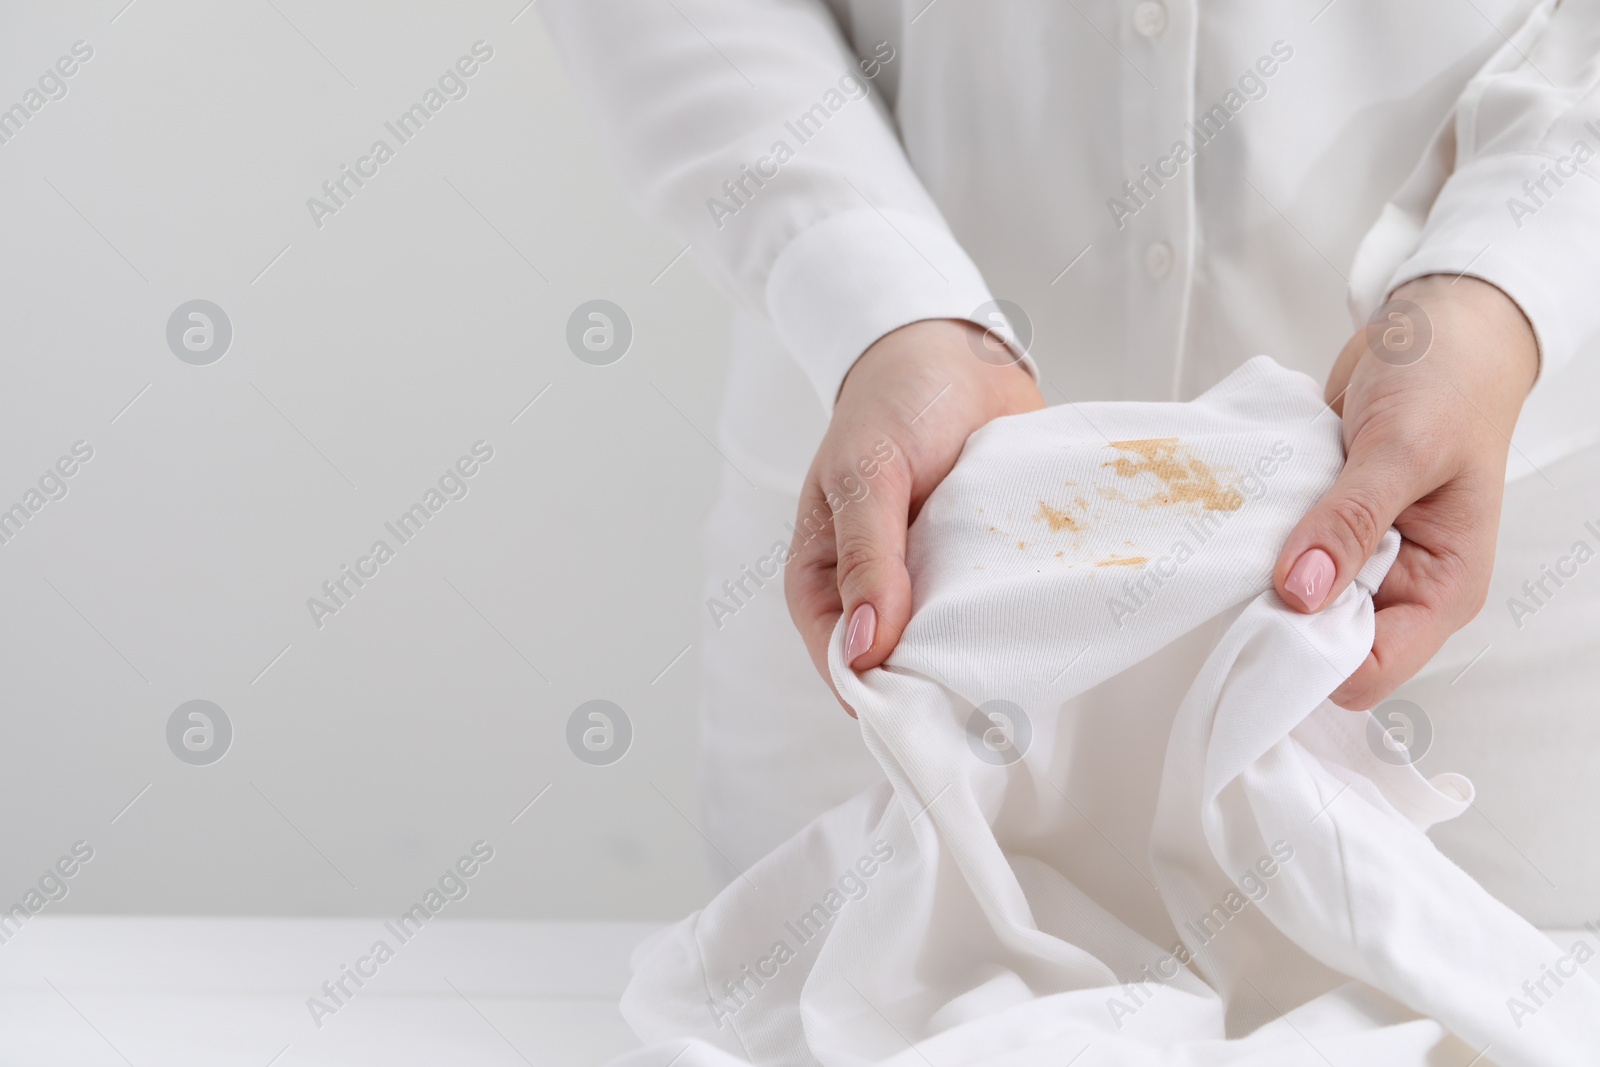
(1158, 779)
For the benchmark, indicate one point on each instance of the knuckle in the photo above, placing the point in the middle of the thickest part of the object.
(809, 606)
(1474, 596)
(1459, 588)
(859, 557)
(803, 576)
(850, 470)
(794, 588)
(1356, 523)
(856, 479)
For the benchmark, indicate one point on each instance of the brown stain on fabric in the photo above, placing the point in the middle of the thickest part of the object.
(1122, 561)
(1059, 518)
(1186, 476)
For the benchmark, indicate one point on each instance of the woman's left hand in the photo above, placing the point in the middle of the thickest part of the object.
(1425, 445)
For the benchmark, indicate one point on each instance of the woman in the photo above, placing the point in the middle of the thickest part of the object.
(936, 213)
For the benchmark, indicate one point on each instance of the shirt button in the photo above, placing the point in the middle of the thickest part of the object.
(1158, 260)
(1150, 18)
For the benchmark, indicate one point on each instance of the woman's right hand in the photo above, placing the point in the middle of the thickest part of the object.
(904, 412)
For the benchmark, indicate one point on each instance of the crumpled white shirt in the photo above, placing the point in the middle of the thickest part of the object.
(1122, 824)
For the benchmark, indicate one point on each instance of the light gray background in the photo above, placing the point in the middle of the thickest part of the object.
(371, 353)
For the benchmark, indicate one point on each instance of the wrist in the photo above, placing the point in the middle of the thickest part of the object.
(1481, 327)
(959, 354)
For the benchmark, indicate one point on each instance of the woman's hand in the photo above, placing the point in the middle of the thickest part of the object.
(904, 412)
(1425, 445)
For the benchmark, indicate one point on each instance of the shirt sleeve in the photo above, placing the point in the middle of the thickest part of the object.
(750, 129)
(1510, 191)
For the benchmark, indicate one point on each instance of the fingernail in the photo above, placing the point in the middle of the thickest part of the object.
(1311, 578)
(863, 627)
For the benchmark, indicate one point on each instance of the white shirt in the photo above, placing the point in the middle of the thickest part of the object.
(1120, 822)
(1165, 192)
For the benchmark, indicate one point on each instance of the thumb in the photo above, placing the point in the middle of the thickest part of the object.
(874, 586)
(1337, 536)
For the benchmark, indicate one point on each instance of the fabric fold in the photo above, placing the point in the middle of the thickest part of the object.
(1122, 824)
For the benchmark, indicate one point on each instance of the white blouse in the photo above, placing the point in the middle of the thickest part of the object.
(1163, 191)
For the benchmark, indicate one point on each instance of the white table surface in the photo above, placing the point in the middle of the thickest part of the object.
(181, 992)
(175, 992)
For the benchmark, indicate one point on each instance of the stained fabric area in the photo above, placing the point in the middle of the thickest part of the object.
(1121, 823)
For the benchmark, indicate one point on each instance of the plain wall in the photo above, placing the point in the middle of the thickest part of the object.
(368, 354)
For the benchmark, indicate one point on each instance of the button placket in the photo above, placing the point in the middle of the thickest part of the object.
(1160, 39)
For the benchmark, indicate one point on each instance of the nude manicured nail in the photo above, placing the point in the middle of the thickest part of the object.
(1311, 578)
(863, 627)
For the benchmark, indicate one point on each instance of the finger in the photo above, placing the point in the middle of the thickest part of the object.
(810, 581)
(869, 525)
(1437, 584)
(1339, 534)
(1404, 639)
